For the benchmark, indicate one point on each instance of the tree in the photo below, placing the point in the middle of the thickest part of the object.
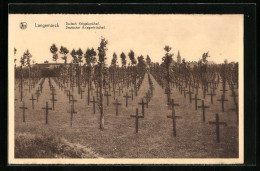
(101, 61)
(79, 53)
(64, 51)
(204, 58)
(131, 55)
(114, 60)
(148, 60)
(141, 62)
(123, 59)
(54, 51)
(90, 56)
(167, 60)
(46, 62)
(74, 56)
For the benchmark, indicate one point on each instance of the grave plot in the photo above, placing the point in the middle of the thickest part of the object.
(137, 111)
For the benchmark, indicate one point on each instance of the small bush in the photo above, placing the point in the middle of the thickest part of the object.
(38, 146)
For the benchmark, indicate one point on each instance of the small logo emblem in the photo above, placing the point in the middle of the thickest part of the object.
(23, 25)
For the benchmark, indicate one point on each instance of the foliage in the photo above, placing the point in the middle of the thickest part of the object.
(64, 51)
(131, 55)
(54, 51)
(123, 59)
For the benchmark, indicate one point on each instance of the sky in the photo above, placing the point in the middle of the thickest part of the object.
(192, 35)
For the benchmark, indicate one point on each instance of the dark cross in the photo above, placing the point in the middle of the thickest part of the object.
(71, 114)
(94, 104)
(184, 91)
(222, 100)
(234, 96)
(23, 108)
(211, 96)
(41, 87)
(126, 99)
(119, 90)
(203, 107)
(81, 91)
(73, 101)
(189, 92)
(69, 95)
(142, 103)
(217, 126)
(149, 95)
(47, 110)
(132, 93)
(147, 99)
(37, 95)
(196, 101)
(53, 100)
(172, 104)
(32, 99)
(174, 117)
(136, 120)
(117, 106)
(107, 95)
(224, 89)
(204, 92)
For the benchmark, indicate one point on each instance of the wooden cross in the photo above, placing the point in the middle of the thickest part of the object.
(147, 99)
(142, 103)
(234, 96)
(32, 99)
(94, 104)
(136, 119)
(189, 92)
(149, 95)
(47, 110)
(132, 93)
(53, 101)
(126, 99)
(211, 96)
(196, 101)
(204, 92)
(23, 108)
(217, 126)
(119, 90)
(174, 117)
(73, 105)
(37, 95)
(81, 91)
(69, 95)
(172, 104)
(107, 95)
(222, 100)
(117, 106)
(184, 90)
(203, 107)
(71, 114)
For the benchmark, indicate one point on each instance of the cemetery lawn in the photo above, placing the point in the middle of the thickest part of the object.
(195, 138)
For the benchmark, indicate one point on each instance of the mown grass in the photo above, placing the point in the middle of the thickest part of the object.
(195, 138)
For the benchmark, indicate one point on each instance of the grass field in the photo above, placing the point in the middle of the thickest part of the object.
(195, 138)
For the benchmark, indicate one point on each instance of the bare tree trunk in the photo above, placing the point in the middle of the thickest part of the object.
(102, 118)
(168, 85)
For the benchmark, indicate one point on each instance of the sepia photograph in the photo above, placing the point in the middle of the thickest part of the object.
(126, 89)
